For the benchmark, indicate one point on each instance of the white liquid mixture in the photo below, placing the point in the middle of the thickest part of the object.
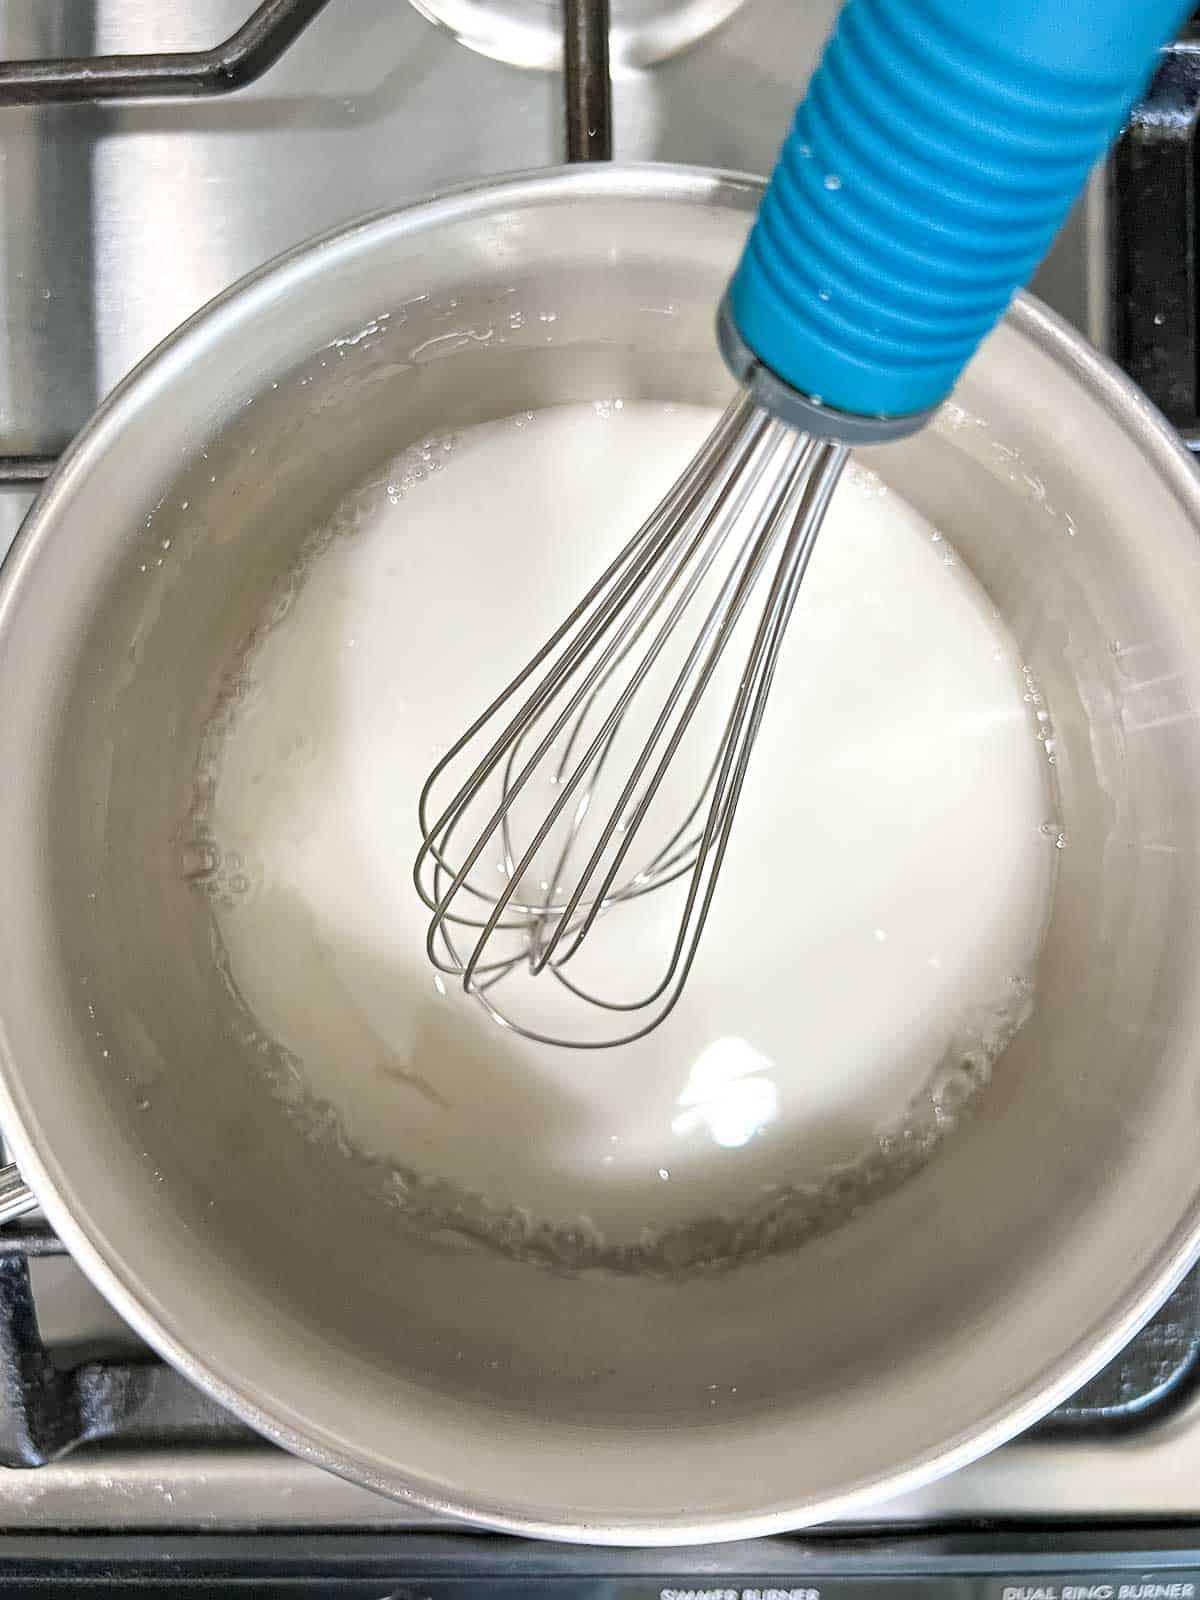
(872, 943)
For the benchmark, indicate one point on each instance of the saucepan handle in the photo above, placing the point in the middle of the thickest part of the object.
(17, 1199)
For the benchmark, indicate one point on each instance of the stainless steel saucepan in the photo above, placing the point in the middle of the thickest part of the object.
(268, 1268)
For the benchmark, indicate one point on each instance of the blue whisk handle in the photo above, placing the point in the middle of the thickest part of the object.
(933, 159)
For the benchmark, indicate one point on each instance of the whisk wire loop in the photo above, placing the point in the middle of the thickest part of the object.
(749, 504)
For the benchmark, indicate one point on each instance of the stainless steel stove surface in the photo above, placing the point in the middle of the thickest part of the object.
(122, 218)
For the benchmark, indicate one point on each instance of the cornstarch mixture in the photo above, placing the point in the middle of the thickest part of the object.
(872, 944)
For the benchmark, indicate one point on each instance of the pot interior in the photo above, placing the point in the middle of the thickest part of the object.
(271, 1264)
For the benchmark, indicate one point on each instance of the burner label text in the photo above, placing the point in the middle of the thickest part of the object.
(1098, 1591)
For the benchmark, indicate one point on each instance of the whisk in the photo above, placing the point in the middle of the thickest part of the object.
(931, 161)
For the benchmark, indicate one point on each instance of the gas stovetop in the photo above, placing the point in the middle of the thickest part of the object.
(121, 218)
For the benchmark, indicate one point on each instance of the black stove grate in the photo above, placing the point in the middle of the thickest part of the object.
(241, 58)
(1152, 227)
(47, 1407)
